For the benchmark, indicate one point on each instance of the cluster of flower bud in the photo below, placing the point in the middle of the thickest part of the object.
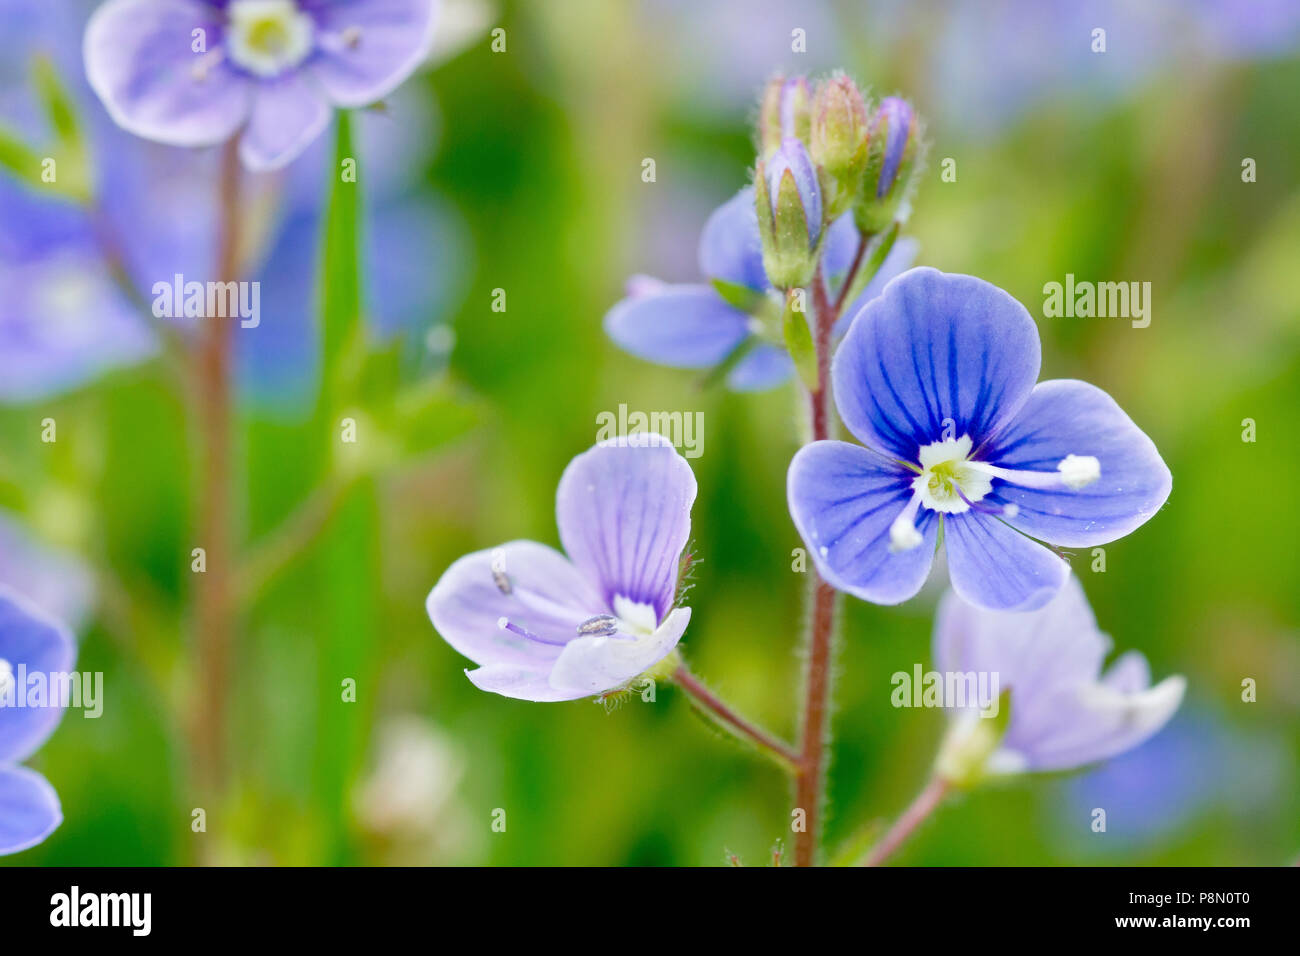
(825, 152)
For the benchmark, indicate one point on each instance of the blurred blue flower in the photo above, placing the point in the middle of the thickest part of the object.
(1198, 764)
(31, 646)
(936, 378)
(1065, 711)
(64, 320)
(695, 326)
(189, 73)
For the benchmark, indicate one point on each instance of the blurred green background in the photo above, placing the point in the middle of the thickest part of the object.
(1117, 166)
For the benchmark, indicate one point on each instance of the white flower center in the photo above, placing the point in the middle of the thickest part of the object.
(267, 37)
(950, 483)
(637, 618)
(6, 678)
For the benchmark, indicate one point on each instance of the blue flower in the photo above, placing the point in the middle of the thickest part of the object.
(30, 645)
(546, 627)
(189, 73)
(698, 327)
(936, 379)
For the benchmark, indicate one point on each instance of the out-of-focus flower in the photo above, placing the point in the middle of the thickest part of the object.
(408, 801)
(30, 645)
(735, 318)
(1198, 764)
(936, 379)
(57, 583)
(64, 320)
(188, 73)
(544, 627)
(788, 205)
(1064, 711)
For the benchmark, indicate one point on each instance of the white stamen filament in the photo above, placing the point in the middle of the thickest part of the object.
(207, 63)
(903, 535)
(1073, 472)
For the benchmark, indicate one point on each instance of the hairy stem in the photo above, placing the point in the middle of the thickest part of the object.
(926, 802)
(215, 608)
(724, 716)
(818, 645)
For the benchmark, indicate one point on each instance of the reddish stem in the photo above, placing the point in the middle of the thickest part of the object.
(213, 599)
(812, 761)
(926, 802)
(732, 721)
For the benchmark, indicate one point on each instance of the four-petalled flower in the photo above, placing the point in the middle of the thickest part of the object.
(544, 627)
(936, 379)
(1064, 711)
(193, 73)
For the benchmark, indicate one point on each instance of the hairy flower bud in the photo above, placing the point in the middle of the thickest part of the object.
(788, 202)
(838, 139)
(891, 158)
(785, 112)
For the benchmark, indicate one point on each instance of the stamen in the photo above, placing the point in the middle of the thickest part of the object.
(206, 63)
(349, 38)
(1073, 472)
(508, 625)
(499, 576)
(1079, 471)
(601, 625)
(903, 535)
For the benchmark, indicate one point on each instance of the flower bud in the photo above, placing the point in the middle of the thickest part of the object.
(838, 139)
(891, 156)
(788, 201)
(785, 112)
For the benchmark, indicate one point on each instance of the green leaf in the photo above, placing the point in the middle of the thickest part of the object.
(60, 109)
(19, 158)
(340, 277)
(72, 165)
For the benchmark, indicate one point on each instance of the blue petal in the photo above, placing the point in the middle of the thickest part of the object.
(546, 596)
(843, 499)
(624, 513)
(766, 366)
(1064, 417)
(899, 260)
(29, 639)
(934, 347)
(730, 248)
(684, 326)
(996, 567)
(521, 683)
(29, 809)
